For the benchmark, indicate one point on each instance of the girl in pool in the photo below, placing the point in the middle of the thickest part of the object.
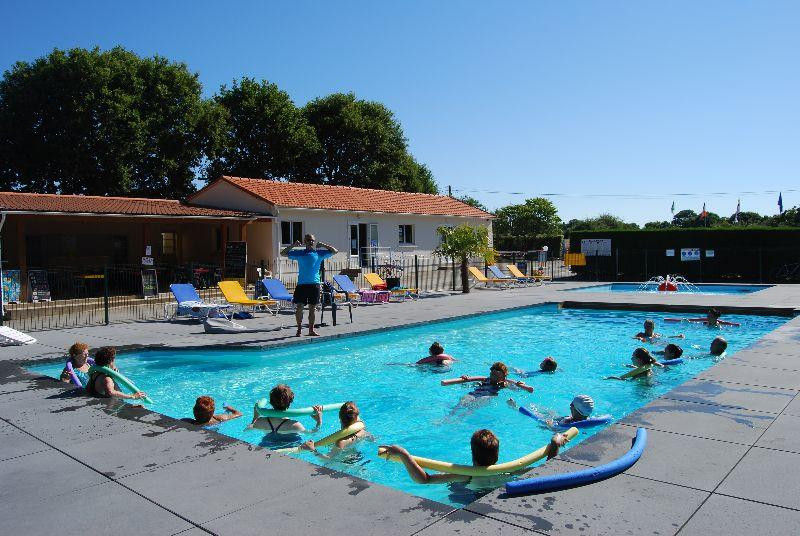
(203, 411)
(348, 415)
(79, 357)
(280, 398)
(485, 447)
(100, 384)
(436, 356)
(641, 357)
(548, 364)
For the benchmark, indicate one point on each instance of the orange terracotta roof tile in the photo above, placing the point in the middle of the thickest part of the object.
(301, 195)
(89, 204)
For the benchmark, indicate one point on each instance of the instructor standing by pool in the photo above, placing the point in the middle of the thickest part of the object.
(309, 259)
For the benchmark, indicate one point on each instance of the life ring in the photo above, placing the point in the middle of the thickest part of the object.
(119, 378)
(471, 470)
(585, 476)
(71, 371)
(354, 428)
(589, 422)
(265, 410)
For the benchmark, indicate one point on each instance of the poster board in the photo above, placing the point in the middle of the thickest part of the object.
(39, 288)
(690, 254)
(149, 284)
(235, 260)
(596, 247)
(12, 286)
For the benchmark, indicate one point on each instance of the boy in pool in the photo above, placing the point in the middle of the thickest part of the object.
(348, 415)
(718, 346)
(670, 351)
(203, 411)
(280, 398)
(640, 358)
(436, 356)
(485, 448)
(100, 384)
(548, 364)
(649, 334)
(79, 357)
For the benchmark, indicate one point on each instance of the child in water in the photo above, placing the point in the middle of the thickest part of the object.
(102, 385)
(548, 364)
(280, 398)
(436, 356)
(203, 412)
(485, 448)
(641, 357)
(79, 357)
(670, 351)
(348, 415)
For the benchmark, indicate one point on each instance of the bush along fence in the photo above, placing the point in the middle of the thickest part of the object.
(53, 297)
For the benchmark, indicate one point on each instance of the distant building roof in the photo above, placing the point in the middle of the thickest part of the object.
(128, 206)
(318, 196)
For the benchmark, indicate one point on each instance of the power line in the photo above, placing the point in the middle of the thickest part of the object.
(626, 196)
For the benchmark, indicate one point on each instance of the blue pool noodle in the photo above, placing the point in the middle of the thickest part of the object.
(586, 423)
(585, 476)
(672, 361)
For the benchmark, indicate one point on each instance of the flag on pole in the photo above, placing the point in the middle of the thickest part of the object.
(673, 207)
(738, 209)
(780, 203)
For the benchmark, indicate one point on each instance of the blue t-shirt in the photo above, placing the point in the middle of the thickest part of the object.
(308, 263)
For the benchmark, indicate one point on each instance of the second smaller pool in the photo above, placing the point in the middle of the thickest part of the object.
(702, 289)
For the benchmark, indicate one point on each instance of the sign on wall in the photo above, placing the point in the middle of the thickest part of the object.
(670, 253)
(596, 247)
(690, 254)
(12, 285)
(38, 285)
(709, 253)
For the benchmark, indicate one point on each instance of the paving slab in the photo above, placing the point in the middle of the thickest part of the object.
(750, 397)
(621, 505)
(767, 360)
(709, 421)
(749, 375)
(462, 522)
(15, 443)
(704, 463)
(724, 516)
(784, 434)
(793, 408)
(120, 512)
(763, 476)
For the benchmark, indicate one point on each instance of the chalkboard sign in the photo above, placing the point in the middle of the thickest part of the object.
(38, 285)
(149, 284)
(11, 286)
(235, 260)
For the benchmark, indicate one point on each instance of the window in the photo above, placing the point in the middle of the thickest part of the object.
(291, 231)
(168, 242)
(406, 234)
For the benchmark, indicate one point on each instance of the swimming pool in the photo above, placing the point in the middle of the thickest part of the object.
(405, 405)
(703, 288)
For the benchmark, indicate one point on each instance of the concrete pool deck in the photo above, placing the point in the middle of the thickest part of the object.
(723, 454)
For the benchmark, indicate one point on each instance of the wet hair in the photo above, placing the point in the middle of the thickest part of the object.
(485, 448)
(714, 312)
(281, 397)
(501, 367)
(203, 409)
(104, 356)
(718, 345)
(643, 355)
(348, 414)
(674, 349)
(436, 349)
(650, 323)
(548, 364)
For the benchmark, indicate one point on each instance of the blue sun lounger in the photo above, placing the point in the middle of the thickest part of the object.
(189, 303)
(277, 291)
(498, 274)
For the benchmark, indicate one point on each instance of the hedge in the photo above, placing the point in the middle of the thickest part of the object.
(529, 243)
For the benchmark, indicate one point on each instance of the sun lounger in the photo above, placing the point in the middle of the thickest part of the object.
(355, 295)
(12, 337)
(277, 291)
(498, 274)
(377, 283)
(235, 295)
(189, 303)
(488, 281)
(537, 275)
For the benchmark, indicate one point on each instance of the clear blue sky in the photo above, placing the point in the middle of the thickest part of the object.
(649, 98)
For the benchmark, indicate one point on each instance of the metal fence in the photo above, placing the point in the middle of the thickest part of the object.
(100, 295)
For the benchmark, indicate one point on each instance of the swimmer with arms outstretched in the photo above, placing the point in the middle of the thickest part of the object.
(712, 320)
(204, 415)
(548, 364)
(649, 334)
(436, 356)
(491, 385)
(580, 409)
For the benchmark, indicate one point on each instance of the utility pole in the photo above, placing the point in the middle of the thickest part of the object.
(449, 190)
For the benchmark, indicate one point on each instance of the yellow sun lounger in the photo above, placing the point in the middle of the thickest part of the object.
(377, 283)
(488, 281)
(536, 278)
(235, 295)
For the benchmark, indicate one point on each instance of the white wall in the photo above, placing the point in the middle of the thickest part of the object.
(333, 227)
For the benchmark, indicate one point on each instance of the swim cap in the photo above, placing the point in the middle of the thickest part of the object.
(583, 404)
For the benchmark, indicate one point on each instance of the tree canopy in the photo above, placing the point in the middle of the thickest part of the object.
(603, 222)
(536, 216)
(463, 243)
(105, 123)
(471, 201)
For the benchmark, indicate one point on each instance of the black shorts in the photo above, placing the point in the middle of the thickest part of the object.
(306, 294)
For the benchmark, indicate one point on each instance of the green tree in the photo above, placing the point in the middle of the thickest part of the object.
(264, 135)
(603, 222)
(657, 225)
(685, 218)
(104, 123)
(536, 216)
(471, 201)
(363, 145)
(463, 243)
(747, 218)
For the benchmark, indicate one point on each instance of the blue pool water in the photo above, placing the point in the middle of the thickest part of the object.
(406, 405)
(703, 288)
